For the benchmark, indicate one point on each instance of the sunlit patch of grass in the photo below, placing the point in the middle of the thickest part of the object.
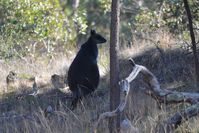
(25, 76)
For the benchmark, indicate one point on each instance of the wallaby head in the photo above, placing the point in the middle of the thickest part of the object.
(97, 38)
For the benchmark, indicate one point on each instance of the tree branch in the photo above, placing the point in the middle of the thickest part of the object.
(124, 86)
(162, 95)
(167, 96)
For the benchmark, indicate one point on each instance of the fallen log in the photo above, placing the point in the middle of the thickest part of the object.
(168, 97)
(176, 119)
(160, 95)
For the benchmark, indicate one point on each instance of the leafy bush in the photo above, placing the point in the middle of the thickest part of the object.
(42, 21)
(170, 14)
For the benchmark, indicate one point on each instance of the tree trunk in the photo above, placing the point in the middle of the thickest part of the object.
(114, 123)
(75, 5)
(193, 41)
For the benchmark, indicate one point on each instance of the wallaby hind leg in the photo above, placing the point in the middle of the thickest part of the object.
(74, 103)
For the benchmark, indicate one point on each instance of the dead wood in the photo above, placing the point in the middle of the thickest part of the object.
(160, 95)
(124, 86)
(168, 97)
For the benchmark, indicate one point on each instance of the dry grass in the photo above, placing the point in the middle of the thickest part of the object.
(142, 110)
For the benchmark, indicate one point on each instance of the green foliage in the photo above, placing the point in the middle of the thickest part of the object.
(146, 20)
(37, 27)
(170, 14)
(43, 21)
(80, 20)
(105, 5)
(28, 27)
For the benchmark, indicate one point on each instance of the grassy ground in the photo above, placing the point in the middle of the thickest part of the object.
(169, 62)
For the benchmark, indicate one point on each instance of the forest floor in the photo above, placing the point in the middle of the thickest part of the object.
(20, 112)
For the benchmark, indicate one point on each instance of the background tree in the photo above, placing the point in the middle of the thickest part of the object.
(114, 64)
(193, 41)
(75, 5)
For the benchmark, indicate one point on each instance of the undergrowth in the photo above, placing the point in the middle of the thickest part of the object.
(21, 112)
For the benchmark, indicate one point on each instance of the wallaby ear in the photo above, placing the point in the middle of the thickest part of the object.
(132, 62)
(93, 32)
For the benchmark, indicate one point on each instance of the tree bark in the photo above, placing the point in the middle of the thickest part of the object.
(114, 123)
(193, 41)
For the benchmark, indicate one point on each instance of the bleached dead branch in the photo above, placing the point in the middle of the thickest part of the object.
(167, 96)
(160, 95)
(124, 86)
